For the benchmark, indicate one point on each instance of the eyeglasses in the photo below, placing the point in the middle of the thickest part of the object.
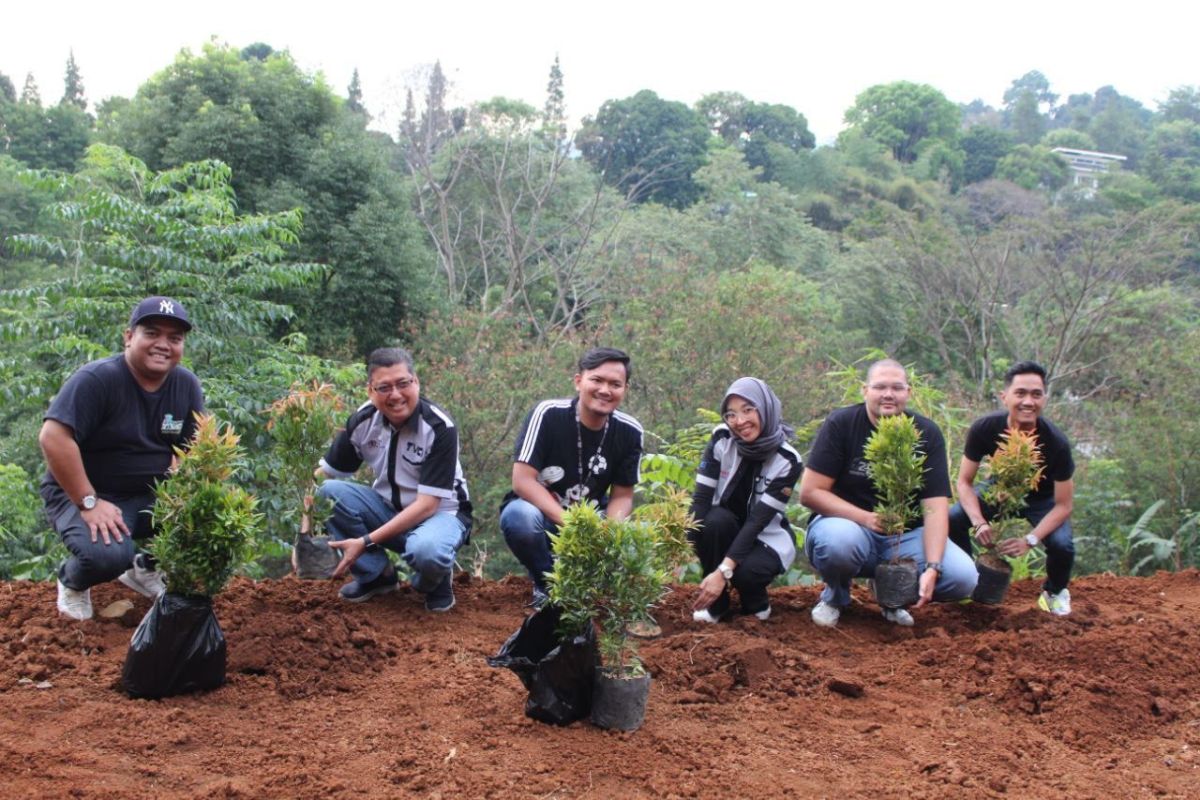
(883, 387)
(387, 388)
(745, 413)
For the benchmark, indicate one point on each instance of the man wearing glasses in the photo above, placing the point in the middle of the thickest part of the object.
(418, 503)
(844, 541)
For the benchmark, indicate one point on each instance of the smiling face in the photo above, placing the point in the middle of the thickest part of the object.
(601, 390)
(1025, 398)
(743, 419)
(395, 392)
(886, 392)
(152, 349)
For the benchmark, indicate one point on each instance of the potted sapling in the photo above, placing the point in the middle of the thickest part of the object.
(1010, 473)
(610, 574)
(301, 425)
(896, 467)
(204, 522)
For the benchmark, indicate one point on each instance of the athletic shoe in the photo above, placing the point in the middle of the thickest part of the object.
(826, 614)
(540, 598)
(441, 599)
(358, 592)
(74, 604)
(143, 579)
(900, 616)
(703, 616)
(1057, 604)
(764, 615)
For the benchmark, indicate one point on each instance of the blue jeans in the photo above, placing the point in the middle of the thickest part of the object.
(428, 549)
(527, 533)
(841, 550)
(91, 563)
(1060, 544)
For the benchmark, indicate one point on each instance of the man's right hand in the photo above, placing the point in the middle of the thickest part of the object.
(983, 532)
(105, 521)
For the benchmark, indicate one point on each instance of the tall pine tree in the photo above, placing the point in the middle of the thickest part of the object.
(354, 95)
(554, 115)
(73, 85)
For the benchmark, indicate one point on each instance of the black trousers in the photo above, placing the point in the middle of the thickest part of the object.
(752, 575)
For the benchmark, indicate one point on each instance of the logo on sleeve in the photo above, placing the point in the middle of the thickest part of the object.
(171, 426)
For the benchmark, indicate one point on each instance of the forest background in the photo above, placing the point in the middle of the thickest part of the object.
(711, 241)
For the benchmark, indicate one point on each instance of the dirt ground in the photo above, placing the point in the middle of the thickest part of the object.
(328, 699)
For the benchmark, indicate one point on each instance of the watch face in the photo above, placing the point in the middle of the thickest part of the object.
(89, 502)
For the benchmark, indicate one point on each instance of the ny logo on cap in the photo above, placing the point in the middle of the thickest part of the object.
(166, 307)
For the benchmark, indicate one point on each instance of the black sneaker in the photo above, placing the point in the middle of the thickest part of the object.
(441, 599)
(357, 592)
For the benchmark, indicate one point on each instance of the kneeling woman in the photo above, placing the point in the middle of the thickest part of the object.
(746, 476)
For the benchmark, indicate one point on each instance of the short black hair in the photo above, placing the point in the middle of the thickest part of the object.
(388, 357)
(602, 355)
(1024, 368)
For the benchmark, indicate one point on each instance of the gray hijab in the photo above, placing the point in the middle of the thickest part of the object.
(774, 432)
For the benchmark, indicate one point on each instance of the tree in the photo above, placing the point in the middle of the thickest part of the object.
(1173, 159)
(646, 147)
(29, 92)
(766, 134)
(1183, 103)
(983, 147)
(554, 113)
(1033, 84)
(1034, 167)
(354, 95)
(73, 85)
(1069, 138)
(903, 115)
(8, 92)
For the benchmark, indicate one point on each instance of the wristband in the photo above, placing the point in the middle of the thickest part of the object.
(936, 566)
(367, 543)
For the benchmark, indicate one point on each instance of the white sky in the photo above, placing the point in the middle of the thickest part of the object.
(815, 58)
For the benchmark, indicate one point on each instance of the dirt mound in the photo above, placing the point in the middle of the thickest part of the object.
(330, 699)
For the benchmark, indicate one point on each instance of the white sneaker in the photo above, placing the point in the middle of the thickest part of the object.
(1057, 604)
(900, 616)
(826, 614)
(148, 582)
(764, 615)
(74, 604)
(703, 616)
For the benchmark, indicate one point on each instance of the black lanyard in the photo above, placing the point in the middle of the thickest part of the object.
(583, 476)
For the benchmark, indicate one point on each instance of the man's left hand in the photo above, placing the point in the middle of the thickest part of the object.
(1013, 548)
(926, 586)
(351, 549)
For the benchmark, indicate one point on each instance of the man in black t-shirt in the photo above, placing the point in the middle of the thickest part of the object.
(107, 437)
(1047, 506)
(572, 450)
(843, 539)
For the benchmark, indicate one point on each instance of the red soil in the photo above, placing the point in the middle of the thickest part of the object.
(326, 699)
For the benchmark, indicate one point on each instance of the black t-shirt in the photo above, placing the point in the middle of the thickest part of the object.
(549, 442)
(125, 433)
(1058, 465)
(838, 453)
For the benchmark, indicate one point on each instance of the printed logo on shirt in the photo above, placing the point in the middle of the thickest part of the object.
(859, 468)
(172, 426)
(413, 447)
(597, 464)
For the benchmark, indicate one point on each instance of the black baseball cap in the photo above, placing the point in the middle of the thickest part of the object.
(159, 306)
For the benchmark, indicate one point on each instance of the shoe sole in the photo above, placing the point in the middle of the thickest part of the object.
(137, 587)
(443, 610)
(365, 596)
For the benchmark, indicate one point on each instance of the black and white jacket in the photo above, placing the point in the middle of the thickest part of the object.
(765, 520)
(420, 457)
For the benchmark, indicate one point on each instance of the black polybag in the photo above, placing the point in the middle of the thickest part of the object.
(177, 648)
(557, 673)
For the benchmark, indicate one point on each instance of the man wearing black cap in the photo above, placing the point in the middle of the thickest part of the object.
(107, 437)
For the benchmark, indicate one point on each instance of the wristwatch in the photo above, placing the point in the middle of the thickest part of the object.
(727, 572)
(1031, 540)
(88, 502)
(367, 543)
(936, 566)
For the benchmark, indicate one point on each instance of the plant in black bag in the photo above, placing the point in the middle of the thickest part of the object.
(204, 522)
(896, 467)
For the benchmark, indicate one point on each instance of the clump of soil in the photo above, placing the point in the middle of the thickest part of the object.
(329, 699)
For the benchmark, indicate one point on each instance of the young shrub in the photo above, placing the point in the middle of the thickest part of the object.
(896, 467)
(301, 426)
(611, 573)
(1013, 470)
(204, 520)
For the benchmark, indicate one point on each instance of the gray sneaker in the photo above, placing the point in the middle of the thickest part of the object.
(143, 579)
(826, 614)
(441, 599)
(900, 616)
(73, 603)
(1057, 604)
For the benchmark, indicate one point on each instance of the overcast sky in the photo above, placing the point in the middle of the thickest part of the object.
(813, 58)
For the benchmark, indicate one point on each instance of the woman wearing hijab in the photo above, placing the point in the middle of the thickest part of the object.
(743, 485)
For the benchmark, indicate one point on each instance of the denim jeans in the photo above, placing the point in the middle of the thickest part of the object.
(527, 533)
(841, 550)
(429, 548)
(91, 563)
(1060, 544)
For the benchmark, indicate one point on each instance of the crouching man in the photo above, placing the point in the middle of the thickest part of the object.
(417, 504)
